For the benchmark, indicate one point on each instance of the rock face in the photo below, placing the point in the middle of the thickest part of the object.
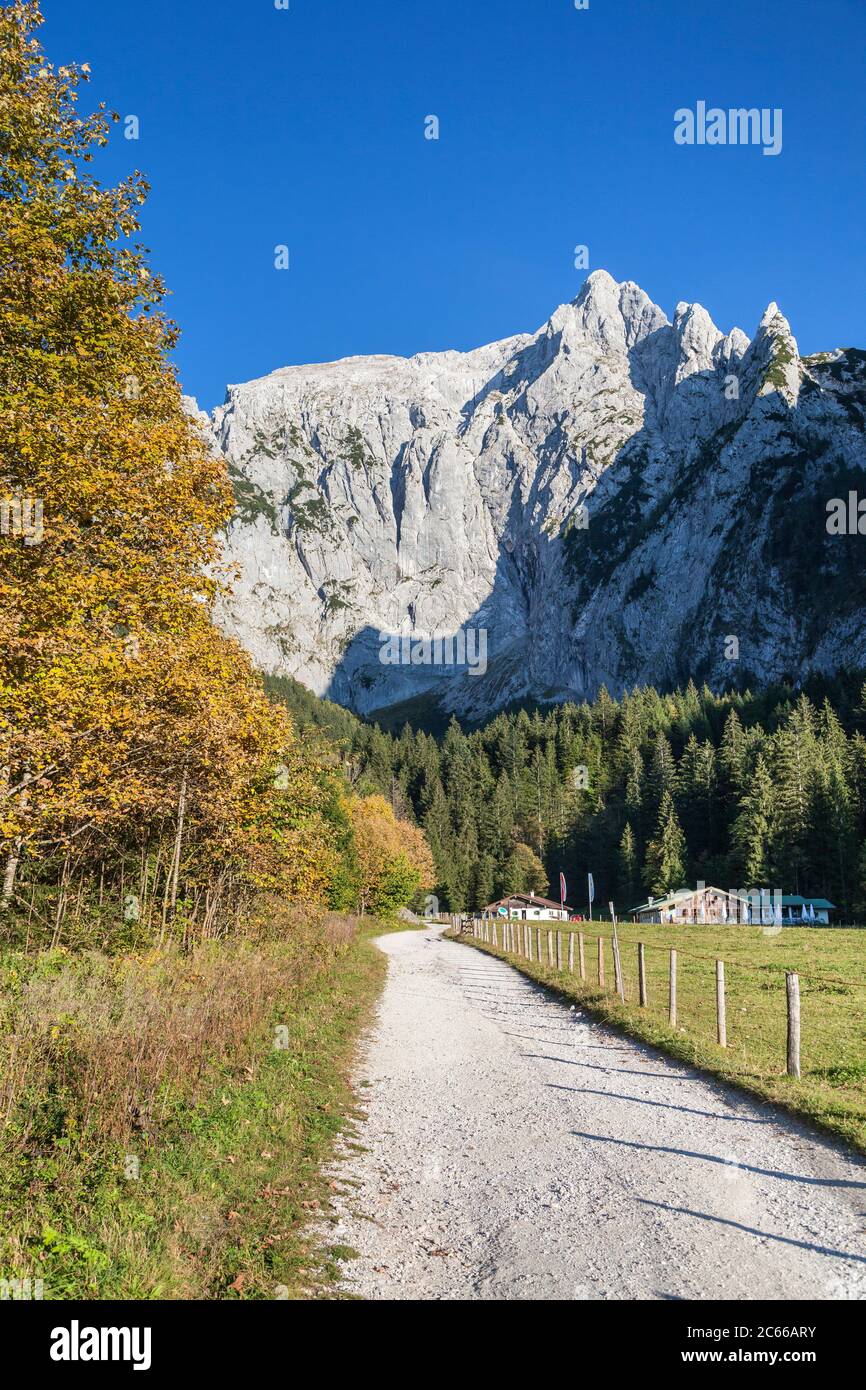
(612, 500)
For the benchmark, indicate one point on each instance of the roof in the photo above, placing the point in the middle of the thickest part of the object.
(794, 900)
(531, 899)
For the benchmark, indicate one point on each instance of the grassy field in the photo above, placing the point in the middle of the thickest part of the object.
(165, 1116)
(831, 964)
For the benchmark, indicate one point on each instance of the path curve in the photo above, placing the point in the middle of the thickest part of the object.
(514, 1148)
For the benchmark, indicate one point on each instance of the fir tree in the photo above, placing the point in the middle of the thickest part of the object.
(628, 876)
(523, 872)
(754, 832)
(665, 867)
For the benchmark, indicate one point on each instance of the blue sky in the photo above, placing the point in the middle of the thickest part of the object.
(261, 127)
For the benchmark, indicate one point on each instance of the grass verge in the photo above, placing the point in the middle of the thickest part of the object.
(165, 1117)
(831, 1092)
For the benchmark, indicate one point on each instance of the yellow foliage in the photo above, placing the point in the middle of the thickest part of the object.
(394, 859)
(128, 722)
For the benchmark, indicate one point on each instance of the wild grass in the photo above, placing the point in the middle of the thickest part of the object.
(831, 964)
(165, 1116)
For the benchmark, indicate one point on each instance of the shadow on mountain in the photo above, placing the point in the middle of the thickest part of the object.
(638, 507)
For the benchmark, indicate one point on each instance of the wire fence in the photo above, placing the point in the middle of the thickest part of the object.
(764, 1019)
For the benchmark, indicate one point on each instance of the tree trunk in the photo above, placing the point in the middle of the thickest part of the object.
(10, 871)
(181, 812)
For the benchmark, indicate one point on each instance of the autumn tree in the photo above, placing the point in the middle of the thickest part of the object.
(130, 727)
(394, 860)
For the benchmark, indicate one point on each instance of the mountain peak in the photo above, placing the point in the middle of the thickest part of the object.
(772, 313)
(617, 314)
(453, 493)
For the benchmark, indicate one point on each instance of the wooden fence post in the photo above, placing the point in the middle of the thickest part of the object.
(721, 1021)
(571, 952)
(641, 972)
(601, 962)
(495, 935)
(582, 955)
(528, 931)
(672, 1012)
(617, 967)
(792, 981)
(538, 944)
(550, 948)
(558, 949)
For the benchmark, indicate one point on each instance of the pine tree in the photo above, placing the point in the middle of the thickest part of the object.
(665, 867)
(437, 828)
(628, 875)
(860, 885)
(794, 766)
(696, 799)
(753, 831)
(483, 882)
(523, 872)
(635, 777)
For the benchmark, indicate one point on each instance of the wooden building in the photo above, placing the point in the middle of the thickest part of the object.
(703, 904)
(529, 907)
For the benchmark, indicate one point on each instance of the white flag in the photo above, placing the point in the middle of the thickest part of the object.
(591, 887)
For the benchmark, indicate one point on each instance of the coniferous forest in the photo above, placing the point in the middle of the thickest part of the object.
(649, 792)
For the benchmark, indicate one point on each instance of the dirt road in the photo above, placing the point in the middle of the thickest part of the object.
(515, 1149)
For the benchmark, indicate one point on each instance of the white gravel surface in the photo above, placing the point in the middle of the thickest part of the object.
(516, 1149)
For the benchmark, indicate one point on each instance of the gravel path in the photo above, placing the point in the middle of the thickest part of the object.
(516, 1149)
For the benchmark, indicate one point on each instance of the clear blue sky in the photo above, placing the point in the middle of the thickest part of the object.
(306, 127)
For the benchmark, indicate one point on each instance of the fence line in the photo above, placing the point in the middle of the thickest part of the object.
(517, 939)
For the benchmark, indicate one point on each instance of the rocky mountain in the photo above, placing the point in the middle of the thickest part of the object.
(615, 499)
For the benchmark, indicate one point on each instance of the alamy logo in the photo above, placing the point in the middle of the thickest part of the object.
(846, 518)
(22, 516)
(736, 126)
(17, 1289)
(468, 648)
(77, 1343)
